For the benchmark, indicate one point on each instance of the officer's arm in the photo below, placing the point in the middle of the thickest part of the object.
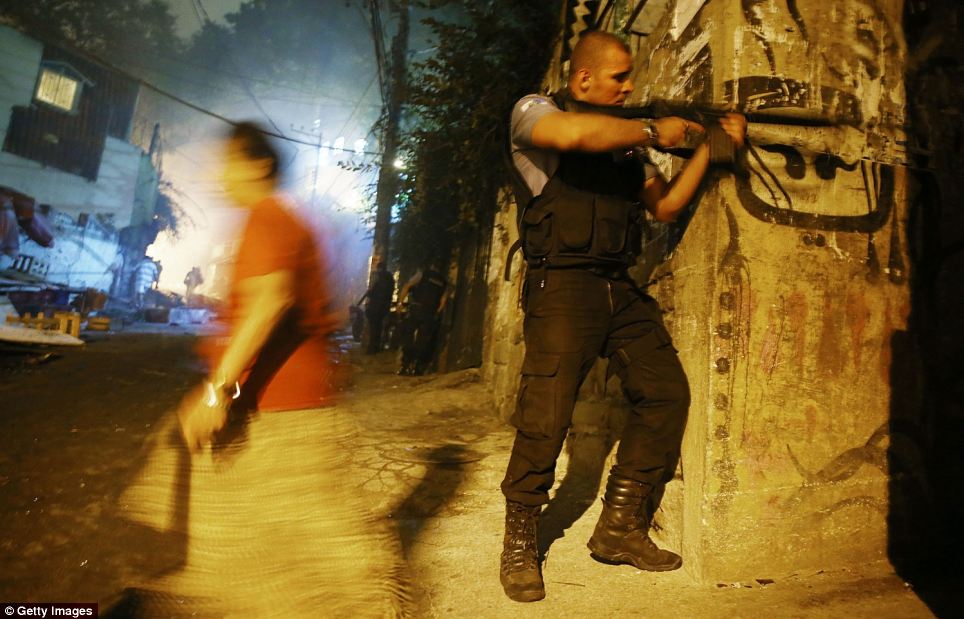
(665, 201)
(408, 286)
(445, 298)
(598, 133)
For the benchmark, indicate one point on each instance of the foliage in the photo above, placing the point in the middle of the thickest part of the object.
(485, 60)
(292, 51)
(169, 215)
(103, 28)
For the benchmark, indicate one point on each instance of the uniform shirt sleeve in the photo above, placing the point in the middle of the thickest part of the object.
(534, 164)
(526, 113)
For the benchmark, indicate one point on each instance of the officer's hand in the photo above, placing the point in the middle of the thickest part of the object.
(673, 130)
(735, 126)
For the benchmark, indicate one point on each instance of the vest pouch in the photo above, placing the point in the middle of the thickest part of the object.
(574, 222)
(612, 226)
(535, 230)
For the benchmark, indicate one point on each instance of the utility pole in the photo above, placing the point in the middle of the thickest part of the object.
(393, 94)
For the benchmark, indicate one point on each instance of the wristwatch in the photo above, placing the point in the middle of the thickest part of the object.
(651, 129)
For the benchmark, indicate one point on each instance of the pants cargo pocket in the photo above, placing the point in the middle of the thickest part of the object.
(537, 408)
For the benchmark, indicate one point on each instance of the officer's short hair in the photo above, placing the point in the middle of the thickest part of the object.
(590, 48)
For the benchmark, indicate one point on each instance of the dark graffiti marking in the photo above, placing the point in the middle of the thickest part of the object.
(732, 347)
(845, 465)
(579, 18)
(795, 165)
(798, 19)
(827, 165)
(871, 222)
(902, 458)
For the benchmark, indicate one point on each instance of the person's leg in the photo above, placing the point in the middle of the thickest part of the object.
(642, 355)
(565, 325)
(425, 342)
(375, 322)
(409, 327)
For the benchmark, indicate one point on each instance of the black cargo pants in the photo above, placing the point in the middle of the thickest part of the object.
(572, 317)
(418, 336)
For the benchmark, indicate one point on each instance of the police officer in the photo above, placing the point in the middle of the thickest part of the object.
(427, 289)
(379, 295)
(579, 234)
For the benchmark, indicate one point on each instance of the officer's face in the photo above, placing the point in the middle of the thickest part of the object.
(609, 83)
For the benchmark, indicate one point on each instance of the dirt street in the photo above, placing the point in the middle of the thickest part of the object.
(429, 460)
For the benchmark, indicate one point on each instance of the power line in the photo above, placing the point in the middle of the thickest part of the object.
(197, 108)
(220, 72)
(244, 83)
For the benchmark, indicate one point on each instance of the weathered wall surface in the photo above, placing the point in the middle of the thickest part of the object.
(790, 283)
(111, 196)
(19, 62)
(810, 296)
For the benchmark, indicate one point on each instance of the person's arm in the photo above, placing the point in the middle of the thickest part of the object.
(445, 299)
(408, 286)
(265, 299)
(664, 200)
(598, 133)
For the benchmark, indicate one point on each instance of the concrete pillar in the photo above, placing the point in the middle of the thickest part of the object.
(788, 284)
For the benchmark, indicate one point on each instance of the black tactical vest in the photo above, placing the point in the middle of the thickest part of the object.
(588, 214)
(427, 293)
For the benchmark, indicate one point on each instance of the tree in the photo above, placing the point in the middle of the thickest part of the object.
(286, 53)
(487, 58)
(105, 28)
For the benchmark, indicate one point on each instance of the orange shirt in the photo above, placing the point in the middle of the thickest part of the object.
(293, 369)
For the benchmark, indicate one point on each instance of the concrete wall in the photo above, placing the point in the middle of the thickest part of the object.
(784, 290)
(789, 283)
(19, 63)
(111, 196)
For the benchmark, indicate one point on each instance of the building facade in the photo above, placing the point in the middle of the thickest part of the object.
(65, 128)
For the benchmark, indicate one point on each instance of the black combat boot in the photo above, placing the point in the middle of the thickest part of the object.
(622, 533)
(519, 572)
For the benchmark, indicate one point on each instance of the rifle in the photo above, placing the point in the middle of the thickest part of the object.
(722, 149)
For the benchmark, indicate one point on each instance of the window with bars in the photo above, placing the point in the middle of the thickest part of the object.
(58, 89)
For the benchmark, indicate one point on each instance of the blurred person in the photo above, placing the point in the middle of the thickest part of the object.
(273, 529)
(379, 302)
(9, 234)
(192, 280)
(145, 278)
(427, 289)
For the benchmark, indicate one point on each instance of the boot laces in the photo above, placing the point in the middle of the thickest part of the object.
(521, 552)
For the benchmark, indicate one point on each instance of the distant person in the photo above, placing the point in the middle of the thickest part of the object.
(145, 278)
(427, 289)
(273, 528)
(192, 280)
(379, 302)
(9, 234)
